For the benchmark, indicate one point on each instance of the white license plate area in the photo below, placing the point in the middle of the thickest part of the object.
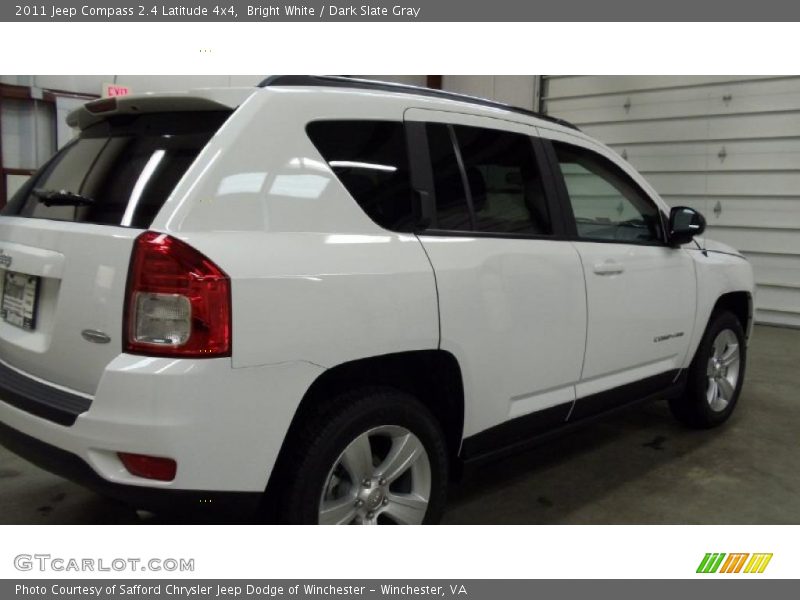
(20, 295)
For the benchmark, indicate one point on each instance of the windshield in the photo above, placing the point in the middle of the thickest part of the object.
(119, 171)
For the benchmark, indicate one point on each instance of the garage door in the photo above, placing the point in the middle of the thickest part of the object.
(728, 146)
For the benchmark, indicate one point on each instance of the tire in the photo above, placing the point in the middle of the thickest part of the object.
(344, 441)
(715, 376)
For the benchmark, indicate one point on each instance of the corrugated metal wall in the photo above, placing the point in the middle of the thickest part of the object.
(728, 146)
(519, 90)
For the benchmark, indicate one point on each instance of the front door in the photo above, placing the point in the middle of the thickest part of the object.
(641, 293)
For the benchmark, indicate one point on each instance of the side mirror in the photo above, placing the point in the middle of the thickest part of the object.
(684, 224)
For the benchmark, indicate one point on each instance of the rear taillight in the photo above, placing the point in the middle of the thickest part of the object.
(178, 302)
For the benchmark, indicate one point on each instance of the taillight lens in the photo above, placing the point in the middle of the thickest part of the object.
(178, 302)
(102, 105)
(149, 467)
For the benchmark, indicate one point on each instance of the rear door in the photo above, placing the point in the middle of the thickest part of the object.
(641, 292)
(66, 239)
(511, 291)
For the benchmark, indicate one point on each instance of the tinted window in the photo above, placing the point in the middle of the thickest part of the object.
(452, 212)
(504, 181)
(371, 161)
(126, 167)
(607, 204)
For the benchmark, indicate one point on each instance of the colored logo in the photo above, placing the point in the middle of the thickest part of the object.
(719, 562)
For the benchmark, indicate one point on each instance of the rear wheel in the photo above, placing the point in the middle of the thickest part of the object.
(715, 376)
(369, 457)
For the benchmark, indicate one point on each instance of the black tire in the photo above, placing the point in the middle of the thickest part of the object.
(316, 445)
(693, 407)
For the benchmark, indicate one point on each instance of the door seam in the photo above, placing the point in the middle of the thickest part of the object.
(585, 329)
(436, 289)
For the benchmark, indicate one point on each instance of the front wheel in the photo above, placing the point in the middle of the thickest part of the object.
(370, 457)
(715, 375)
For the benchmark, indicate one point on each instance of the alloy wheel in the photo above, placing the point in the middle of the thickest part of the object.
(383, 476)
(723, 370)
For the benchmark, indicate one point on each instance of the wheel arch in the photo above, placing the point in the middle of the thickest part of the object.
(740, 303)
(431, 376)
(698, 406)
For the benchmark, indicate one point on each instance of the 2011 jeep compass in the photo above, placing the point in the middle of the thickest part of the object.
(337, 291)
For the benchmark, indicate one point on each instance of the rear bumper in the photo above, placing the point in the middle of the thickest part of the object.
(72, 467)
(223, 426)
(40, 399)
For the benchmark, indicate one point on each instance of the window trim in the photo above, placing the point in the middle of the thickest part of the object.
(462, 170)
(422, 178)
(571, 226)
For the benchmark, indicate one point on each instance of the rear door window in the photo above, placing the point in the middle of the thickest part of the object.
(486, 180)
(452, 210)
(118, 172)
(504, 181)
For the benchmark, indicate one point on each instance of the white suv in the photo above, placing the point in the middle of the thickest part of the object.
(341, 292)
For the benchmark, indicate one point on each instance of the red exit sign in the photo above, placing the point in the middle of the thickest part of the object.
(111, 90)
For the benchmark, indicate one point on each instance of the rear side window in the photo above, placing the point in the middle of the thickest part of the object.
(118, 172)
(370, 158)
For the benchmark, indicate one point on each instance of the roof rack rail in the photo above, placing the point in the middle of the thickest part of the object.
(367, 84)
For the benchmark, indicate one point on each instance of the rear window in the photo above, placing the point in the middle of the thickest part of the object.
(118, 172)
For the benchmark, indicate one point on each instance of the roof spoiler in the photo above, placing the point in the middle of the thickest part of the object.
(99, 110)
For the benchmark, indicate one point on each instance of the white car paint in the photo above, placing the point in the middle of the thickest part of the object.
(316, 283)
(493, 294)
(182, 409)
(635, 293)
(83, 269)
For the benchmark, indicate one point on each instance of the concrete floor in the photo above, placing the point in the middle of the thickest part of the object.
(635, 467)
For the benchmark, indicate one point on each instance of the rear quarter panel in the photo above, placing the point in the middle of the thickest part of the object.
(313, 277)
